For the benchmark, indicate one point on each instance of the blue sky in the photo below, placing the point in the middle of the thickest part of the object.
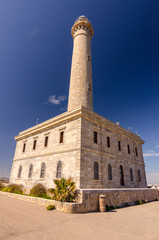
(35, 62)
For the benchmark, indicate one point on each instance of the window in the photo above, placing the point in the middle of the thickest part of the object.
(96, 170)
(108, 142)
(128, 149)
(136, 153)
(131, 175)
(46, 141)
(42, 173)
(24, 147)
(61, 137)
(109, 172)
(89, 87)
(95, 137)
(59, 167)
(34, 145)
(119, 145)
(30, 171)
(139, 175)
(121, 175)
(20, 171)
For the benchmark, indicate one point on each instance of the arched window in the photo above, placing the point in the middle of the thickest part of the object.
(131, 175)
(139, 175)
(109, 172)
(96, 170)
(59, 168)
(42, 173)
(20, 171)
(121, 175)
(30, 171)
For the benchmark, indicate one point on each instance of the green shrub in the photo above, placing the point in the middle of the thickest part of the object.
(14, 188)
(1, 186)
(47, 197)
(127, 205)
(138, 202)
(4, 180)
(109, 208)
(50, 207)
(65, 190)
(38, 191)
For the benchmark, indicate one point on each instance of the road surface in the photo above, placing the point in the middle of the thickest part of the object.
(21, 220)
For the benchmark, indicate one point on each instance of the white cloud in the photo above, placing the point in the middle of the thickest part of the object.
(150, 151)
(62, 98)
(34, 32)
(53, 99)
(151, 154)
(157, 146)
(63, 109)
(153, 178)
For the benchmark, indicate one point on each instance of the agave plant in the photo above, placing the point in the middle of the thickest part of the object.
(65, 190)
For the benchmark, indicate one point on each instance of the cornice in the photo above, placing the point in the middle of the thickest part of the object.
(53, 122)
(80, 112)
(103, 122)
(82, 26)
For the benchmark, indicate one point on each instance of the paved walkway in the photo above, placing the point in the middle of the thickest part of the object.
(26, 221)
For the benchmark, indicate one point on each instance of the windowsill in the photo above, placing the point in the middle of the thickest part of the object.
(29, 178)
(110, 181)
(18, 178)
(46, 147)
(41, 179)
(132, 182)
(47, 133)
(56, 179)
(62, 129)
(61, 143)
(96, 180)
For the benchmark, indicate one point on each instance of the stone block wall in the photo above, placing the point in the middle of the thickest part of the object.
(66, 152)
(78, 152)
(116, 197)
(104, 155)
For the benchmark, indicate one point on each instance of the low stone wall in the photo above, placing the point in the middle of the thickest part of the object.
(116, 197)
(39, 201)
(89, 199)
(60, 206)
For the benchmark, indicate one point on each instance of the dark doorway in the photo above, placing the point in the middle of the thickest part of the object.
(121, 175)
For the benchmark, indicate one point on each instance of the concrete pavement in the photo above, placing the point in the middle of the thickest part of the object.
(26, 221)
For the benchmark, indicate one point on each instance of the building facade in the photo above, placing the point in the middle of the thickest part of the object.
(79, 143)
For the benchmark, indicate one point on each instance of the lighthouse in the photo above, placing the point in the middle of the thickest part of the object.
(81, 91)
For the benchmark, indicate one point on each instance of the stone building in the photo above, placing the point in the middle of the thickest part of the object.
(79, 143)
